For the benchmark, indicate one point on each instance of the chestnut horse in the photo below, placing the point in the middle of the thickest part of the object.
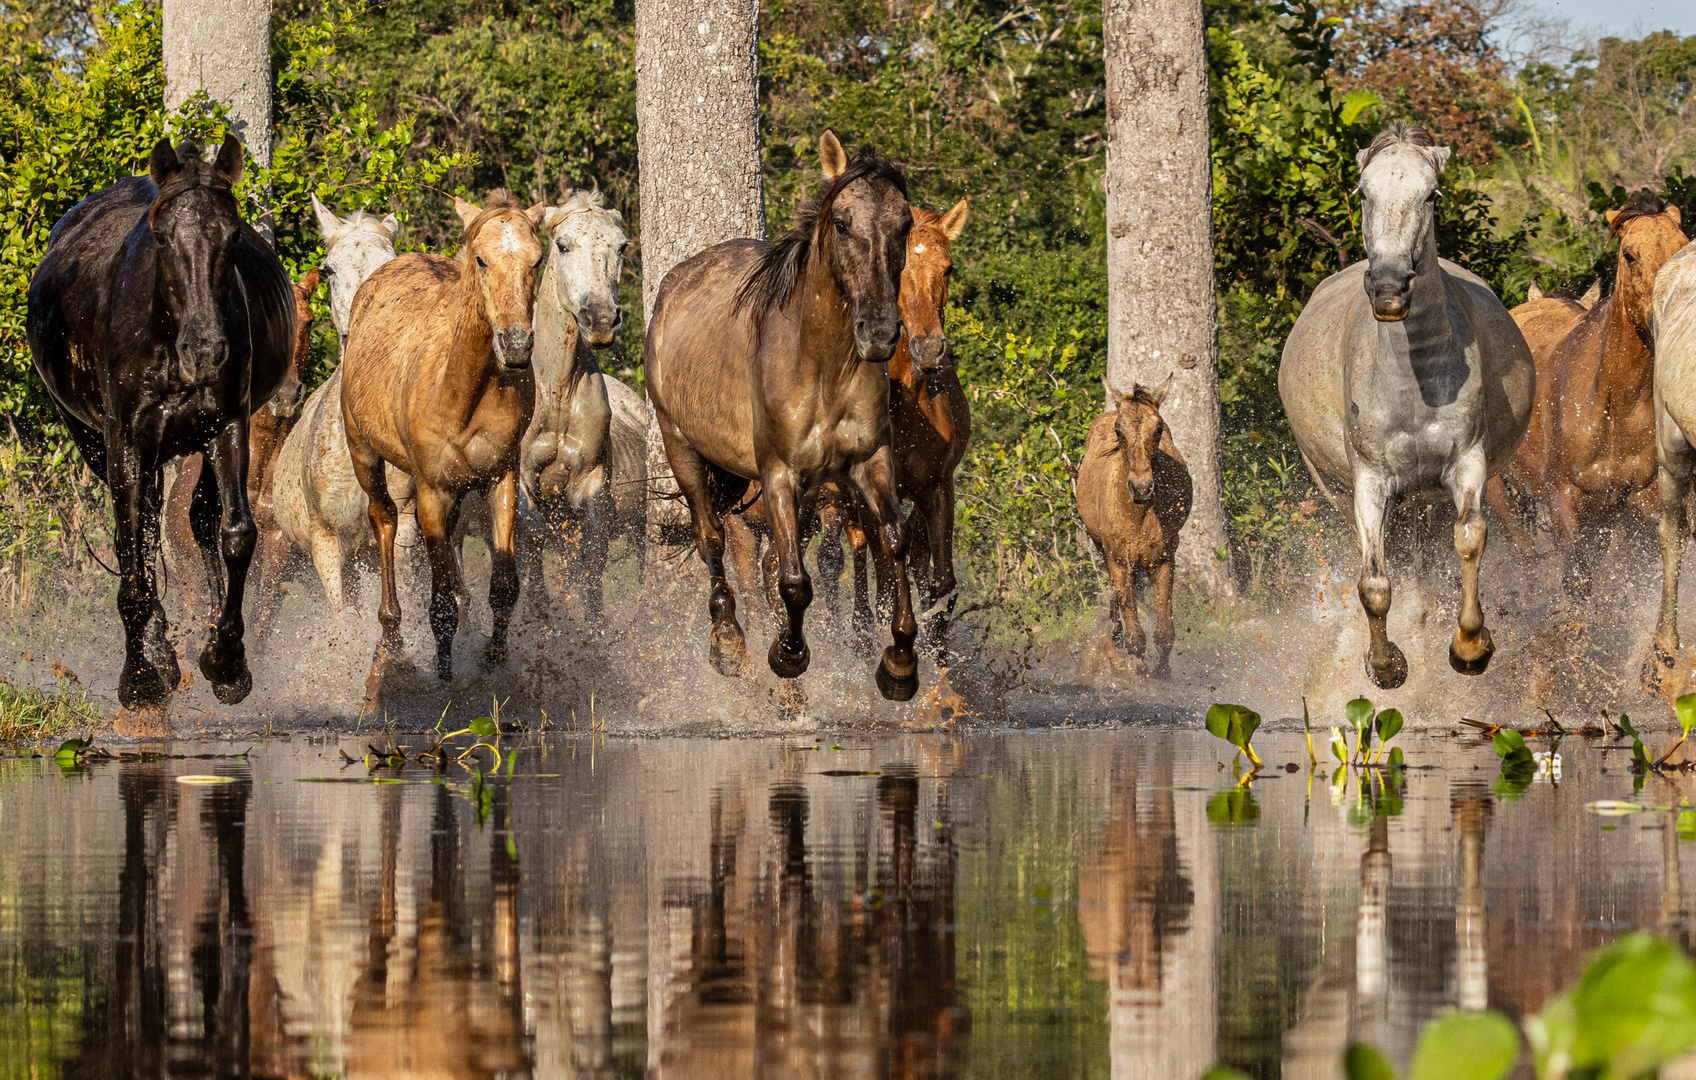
(1590, 451)
(436, 381)
(1134, 495)
(765, 361)
(156, 319)
(267, 429)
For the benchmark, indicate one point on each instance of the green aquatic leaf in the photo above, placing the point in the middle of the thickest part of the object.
(1389, 723)
(1396, 757)
(1507, 743)
(1685, 709)
(482, 726)
(1635, 1007)
(1220, 1072)
(1236, 724)
(1359, 712)
(1361, 1062)
(1466, 1046)
(1235, 806)
(1625, 726)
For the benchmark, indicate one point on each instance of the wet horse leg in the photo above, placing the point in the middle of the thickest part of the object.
(944, 589)
(224, 660)
(140, 683)
(1672, 479)
(831, 562)
(502, 497)
(1472, 648)
(898, 672)
(157, 646)
(370, 470)
(1385, 664)
(862, 620)
(1165, 633)
(435, 523)
(726, 649)
(789, 654)
(1127, 626)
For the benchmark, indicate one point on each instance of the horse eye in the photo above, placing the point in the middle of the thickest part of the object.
(563, 244)
(841, 226)
(484, 265)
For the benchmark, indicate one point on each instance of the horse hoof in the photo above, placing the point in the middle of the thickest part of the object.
(228, 670)
(1162, 670)
(896, 687)
(444, 667)
(1394, 672)
(140, 687)
(1656, 666)
(786, 664)
(493, 657)
(164, 660)
(1482, 649)
(728, 652)
(235, 691)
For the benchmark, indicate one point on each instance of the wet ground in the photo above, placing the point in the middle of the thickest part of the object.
(1056, 904)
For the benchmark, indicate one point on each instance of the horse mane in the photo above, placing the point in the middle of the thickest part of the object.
(582, 201)
(774, 279)
(1142, 395)
(193, 171)
(1398, 133)
(1643, 203)
(355, 222)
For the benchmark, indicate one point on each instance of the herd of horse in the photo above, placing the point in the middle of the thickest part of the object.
(801, 387)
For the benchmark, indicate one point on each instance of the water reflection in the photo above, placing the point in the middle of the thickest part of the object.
(995, 905)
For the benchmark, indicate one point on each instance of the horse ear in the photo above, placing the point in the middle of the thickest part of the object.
(1114, 398)
(1611, 215)
(328, 222)
(305, 285)
(1361, 157)
(229, 164)
(1674, 215)
(1592, 294)
(1533, 292)
(1159, 392)
(162, 164)
(1438, 156)
(832, 158)
(954, 222)
(466, 210)
(537, 214)
(391, 223)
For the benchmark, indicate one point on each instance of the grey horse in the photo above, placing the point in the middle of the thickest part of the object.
(1405, 376)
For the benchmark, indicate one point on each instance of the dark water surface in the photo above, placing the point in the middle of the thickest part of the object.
(1019, 905)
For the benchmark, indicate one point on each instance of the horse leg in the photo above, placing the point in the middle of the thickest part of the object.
(502, 497)
(726, 650)
(862, 621)
(534, 531)
(597, 523)
(1672, 481)
(1563, 517)
(944, 589)
(1385, 664)
(831, 562)
(743, 549)
(182, 544)
(434, 509)
(1472, 648)
(140, 684)
(1165, 633)
(1502, 502)
(370, 470)
(898, 672)
(1127, 629)
(789, 655)
(327, 561)
(274, 557)
(204, 513)
(224, 660)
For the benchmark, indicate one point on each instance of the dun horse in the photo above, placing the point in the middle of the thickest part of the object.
(267, 429)
(1590, 451)
(1675, 424)
(1405, 376)
(320, 507)
(1134, 495)
(766, 362)
(157, 318)
(437, 382)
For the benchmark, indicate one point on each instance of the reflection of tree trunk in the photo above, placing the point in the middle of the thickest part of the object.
(1472, 964)
(920, 1014)
(224, 954)
(1370, 954)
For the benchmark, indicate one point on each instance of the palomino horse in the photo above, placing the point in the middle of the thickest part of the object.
(1134, 495)
(1405, 375)
(156, 319)
(436, 381)
(267, 429)
(320, 507)
(765, 361)
(1590, 450)
(1674, 320)
(563, 466)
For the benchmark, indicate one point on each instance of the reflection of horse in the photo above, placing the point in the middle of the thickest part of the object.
(765, 362)
(1590, 448)
(1134, 495)
(437, 382)
(156, 318)
(1404, 375)
(320, 507)
(1675, 425)
(267, 428)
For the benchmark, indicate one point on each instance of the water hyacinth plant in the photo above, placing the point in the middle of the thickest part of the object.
(1236, 724)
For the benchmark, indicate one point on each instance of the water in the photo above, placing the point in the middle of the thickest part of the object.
(998, 904)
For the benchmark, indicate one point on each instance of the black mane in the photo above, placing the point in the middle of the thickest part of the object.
(773, 280)
(1644, 203)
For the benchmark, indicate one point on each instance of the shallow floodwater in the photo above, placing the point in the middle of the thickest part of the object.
(1070, 903)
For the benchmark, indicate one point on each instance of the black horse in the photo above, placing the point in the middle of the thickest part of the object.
(157, 319)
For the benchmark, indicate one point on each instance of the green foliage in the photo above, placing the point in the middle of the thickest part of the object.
(1362, 1062)
(1633, 1010)
(28, 712)
(1519, 767)
(1235, 724)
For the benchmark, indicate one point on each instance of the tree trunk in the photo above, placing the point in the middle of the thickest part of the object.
(1161, 317)
(698, 151)
(224, 48)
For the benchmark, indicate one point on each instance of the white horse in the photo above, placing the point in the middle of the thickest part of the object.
(1673, 320)
(319, 504)
(1405, 375)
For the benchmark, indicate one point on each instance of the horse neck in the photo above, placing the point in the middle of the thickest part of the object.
(827, 330)
(467, 365)
(557, 335)
(1627, 361)
(1428, 307)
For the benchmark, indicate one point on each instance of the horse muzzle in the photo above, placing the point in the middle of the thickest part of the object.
(876, 338)
(1141, 494)
(512, 347)
(601, 322)
(928, 352)
(1389, 294)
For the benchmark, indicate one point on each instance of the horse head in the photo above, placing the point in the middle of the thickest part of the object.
(924, 283)
(354, 246)
(587, 263)
(860, 223)
(500, 259)
(1398, 189)
(194, 223)
(285, 403)
(1649, 235)
(1140, 431)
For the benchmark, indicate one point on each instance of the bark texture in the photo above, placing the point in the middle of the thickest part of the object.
(1161, 316)
(698, 150)
(224, 48)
